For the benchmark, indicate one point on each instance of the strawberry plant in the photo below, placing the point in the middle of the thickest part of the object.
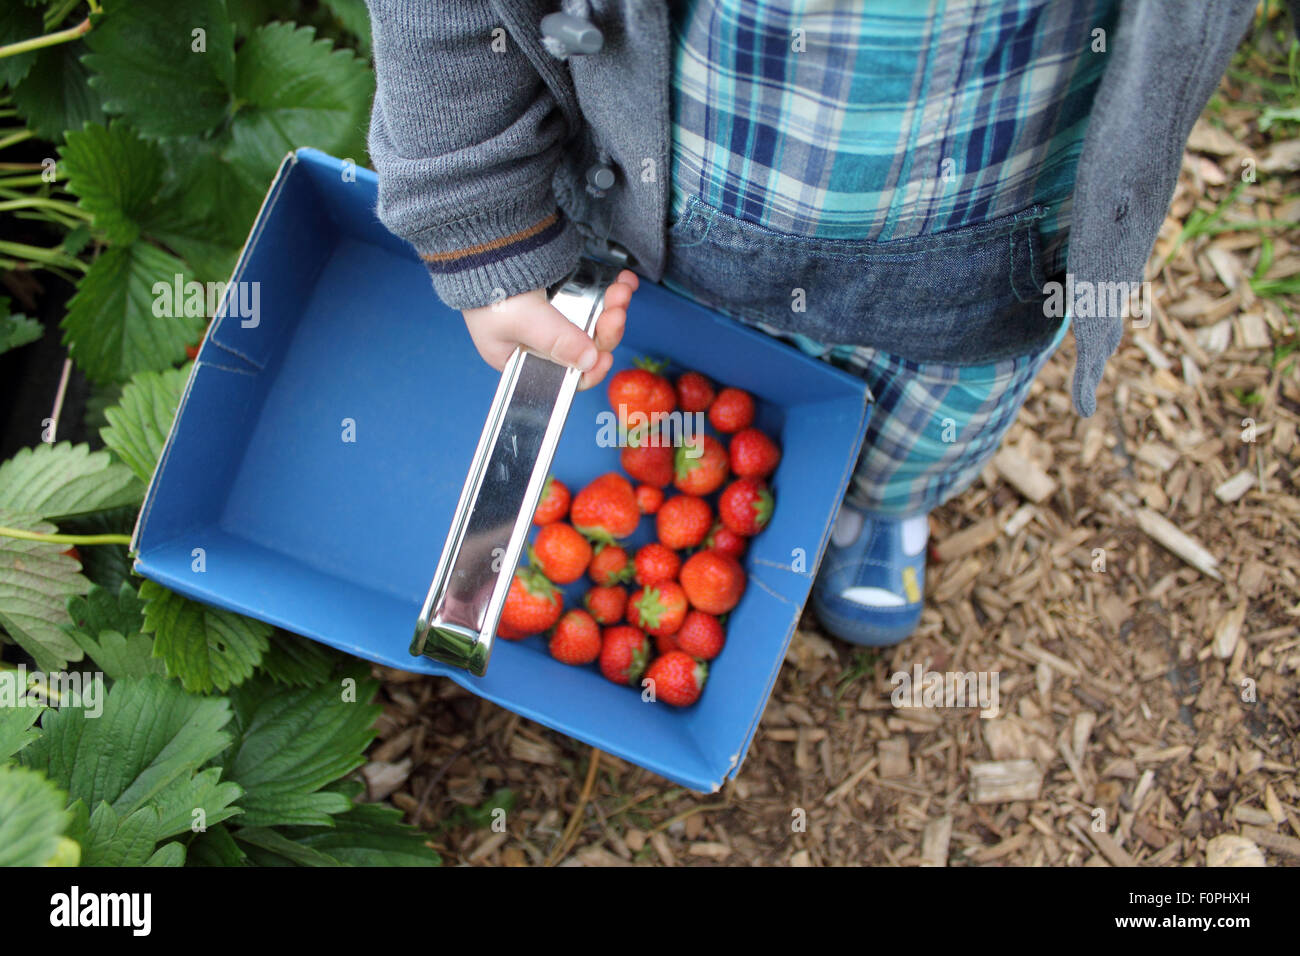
(137, 139)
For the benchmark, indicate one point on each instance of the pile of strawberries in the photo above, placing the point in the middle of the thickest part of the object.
(684, 583)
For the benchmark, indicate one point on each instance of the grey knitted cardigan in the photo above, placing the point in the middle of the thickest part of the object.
(483, 139)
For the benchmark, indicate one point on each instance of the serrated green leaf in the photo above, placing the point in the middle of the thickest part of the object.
(108, 628)
(101, 610)
(111, 330)
(169, 854)
(57, 481)
(36, 580)
(114, 840)
(151, 736)
(205, 791)
(108, 565)
(18, 23)
(148, 68)
(291, 659)
(265, 846)
(16, 330)
(215, 847)
(370, 834)
(139, 423)
(355, 18)
(205, 647)
(295, 90)
(32, 818)
(116, 174)
(15, 724)
(290, 743)
(56, 94)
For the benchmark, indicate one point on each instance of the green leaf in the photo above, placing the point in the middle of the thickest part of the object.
(116, 174)
(294, 91)
(370, 834)
(100, 610)
(148, 68)
(139, 423)
(36, 580)
(292, 743)
(57, 481)
(150, 737)
(108, 628)
(295, 660)
(354, 18)
(32, 818)
(205, 792)
(56, 94)
(111, 330)
(114, 840)
(16, 722)
(108, 565)
(205, 647)
(267, 847)
(169, 854)
(18, 23)
(16, 330)
(215, 847)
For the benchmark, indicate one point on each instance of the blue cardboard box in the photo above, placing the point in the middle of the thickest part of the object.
(323, 438)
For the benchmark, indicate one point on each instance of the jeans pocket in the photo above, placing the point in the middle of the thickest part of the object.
(964, 296)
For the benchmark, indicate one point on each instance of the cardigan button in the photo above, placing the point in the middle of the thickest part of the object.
(572, 34)
(600, 176)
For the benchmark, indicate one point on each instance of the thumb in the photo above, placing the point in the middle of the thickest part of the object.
(549, 333)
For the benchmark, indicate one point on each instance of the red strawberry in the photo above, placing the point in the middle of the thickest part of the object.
(647, 461)
(701, 635)
(606, 509)
(611, 565)
(683, 521)
(721, 538)
(554, 504)
(745, 507)
(641, 396)
(649, 498)
(659, 609)
(73, 553)
(732, 410)
(606, 604)
(753, 454)
(510, 634)
(560, 553)
(678, 678)
(713, 581)
(656, 563)
(576, 639)
(624, 651)
(665, 643)
(192, 351)
(700, 467)
(532, 605)
(694, 392)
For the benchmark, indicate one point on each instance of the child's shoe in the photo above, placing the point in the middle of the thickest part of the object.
(869, 587)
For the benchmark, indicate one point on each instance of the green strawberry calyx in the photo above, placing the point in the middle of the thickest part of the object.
(650, 608)
(647, 364)
(763, 505)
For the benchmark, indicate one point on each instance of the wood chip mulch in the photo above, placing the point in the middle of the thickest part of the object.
(1133, 579)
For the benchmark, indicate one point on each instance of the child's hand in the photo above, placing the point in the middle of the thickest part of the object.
(528, 319)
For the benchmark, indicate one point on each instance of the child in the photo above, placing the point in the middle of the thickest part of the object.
(887, 185)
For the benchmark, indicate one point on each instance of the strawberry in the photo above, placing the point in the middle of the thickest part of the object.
(656, 563)
(665, 643)
(646, 460)
(753, 454)
(700, 467)
(560, 553)
(701, 635)
(649, 498)
(192, 351)
(641, 396)
(510, 634)
(678, 678)
(721, 538)
(73, 553)
(605, 509)
(576, 639)
(694, 392)
(532, 604)
(611, 565)
(554, 504)
(606, 604)
(713, 581)
(659, 609)
(624, 651)
(683, 521)
(745, 507)
(731, 411)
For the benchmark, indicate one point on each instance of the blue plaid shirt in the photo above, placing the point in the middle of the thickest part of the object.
(884, 119)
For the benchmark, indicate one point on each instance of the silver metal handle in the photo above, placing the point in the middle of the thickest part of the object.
(459, 620)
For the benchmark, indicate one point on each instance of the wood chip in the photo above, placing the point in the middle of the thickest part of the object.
(1163, 532)
(1228, 849)
(1026, 476)
(1227, 631)
(1002, 781)
(934, 841)
(970, 539)
(1236, 486)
